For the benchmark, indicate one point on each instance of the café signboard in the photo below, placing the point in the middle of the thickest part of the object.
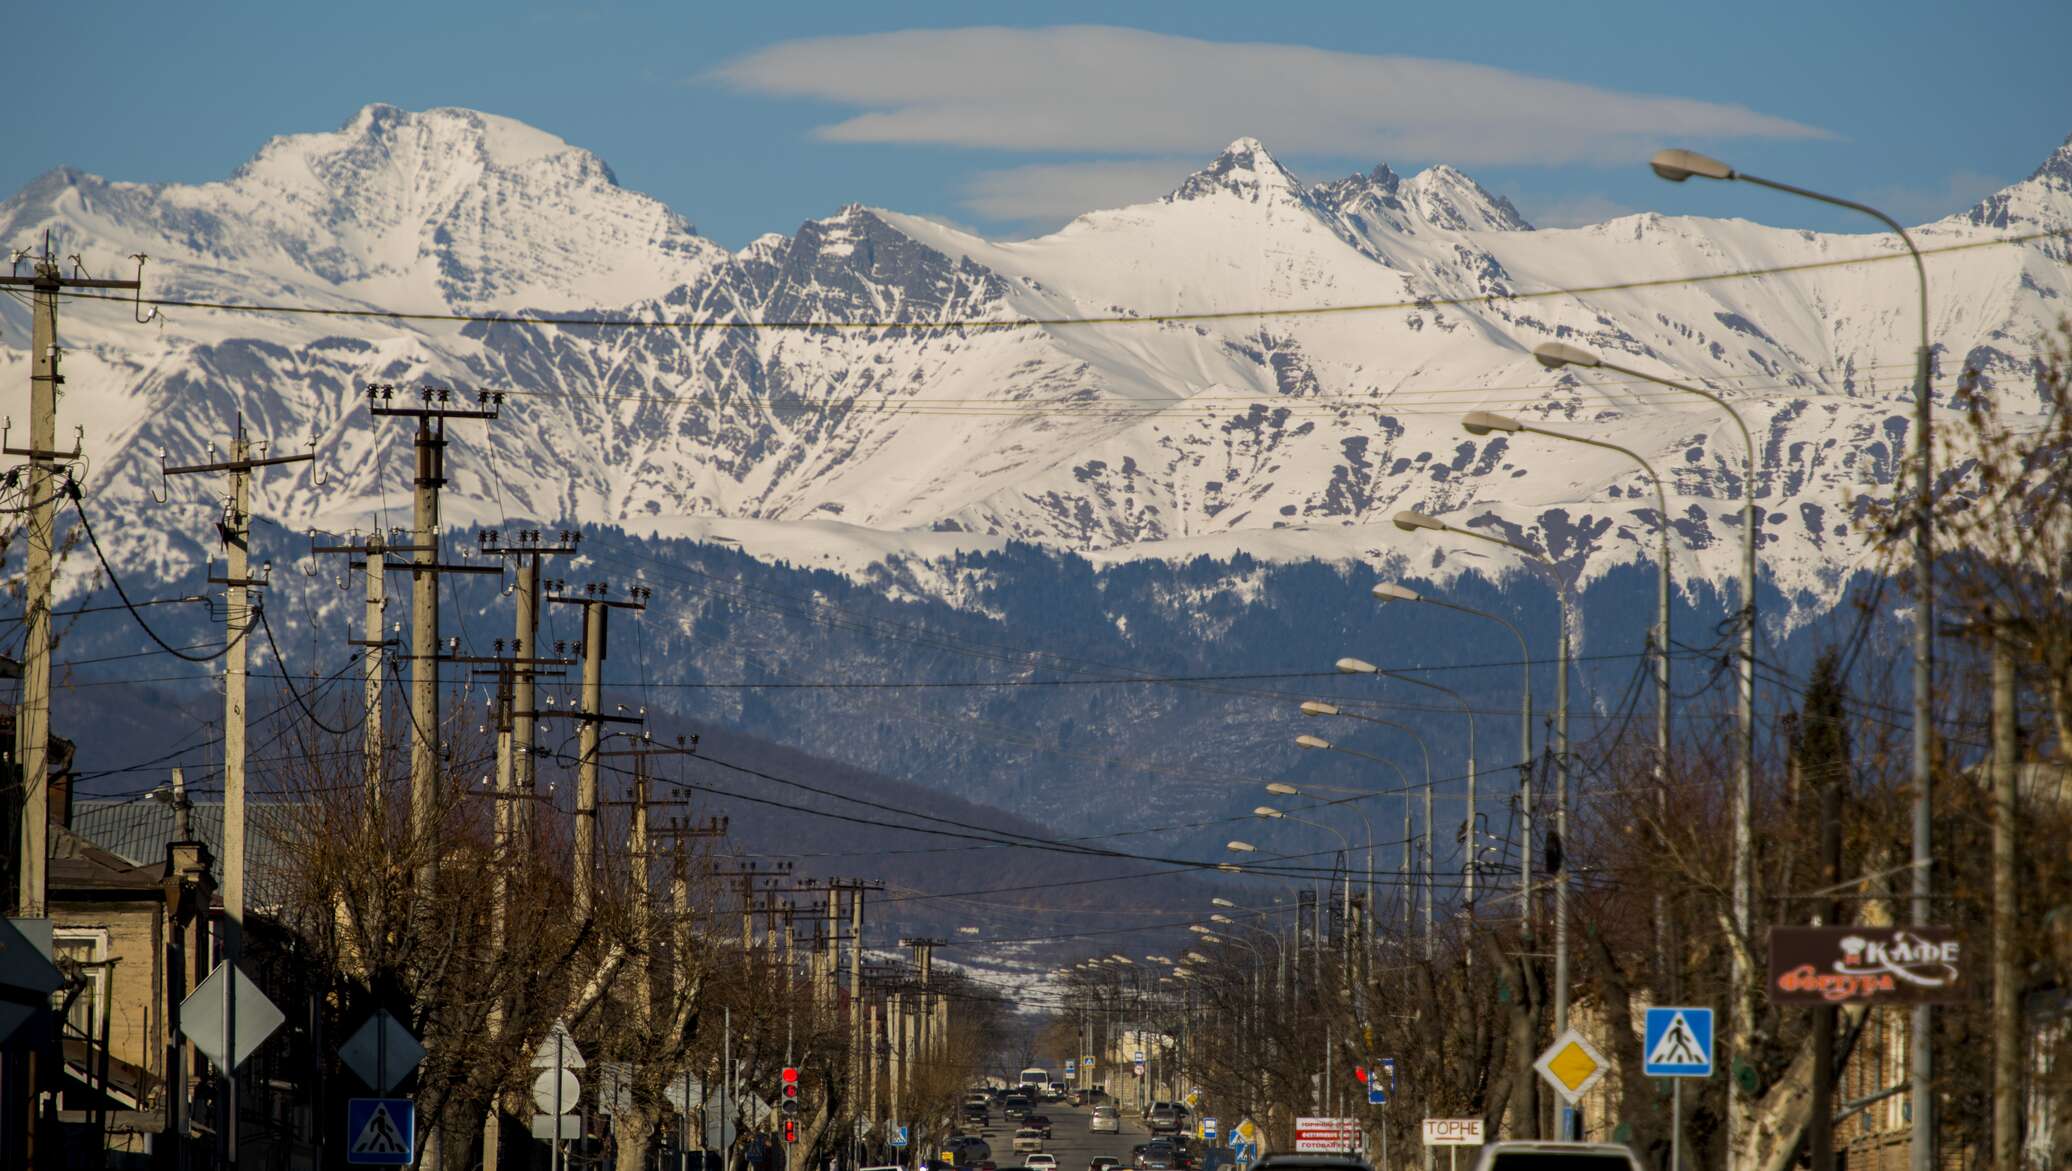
(1866, 965)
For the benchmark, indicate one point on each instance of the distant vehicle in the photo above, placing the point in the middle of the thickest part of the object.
(1039, 1122)
(1017, 1104)
(1311, 1163)
(1104, 1163)
(1216, 1158)
(1035, 1077)
(1028, 1138)
(1165, 1117)
(1536, 1156)
(1106, 1120)
(968, 1151)
(1054, 1092)
(1041, 1162)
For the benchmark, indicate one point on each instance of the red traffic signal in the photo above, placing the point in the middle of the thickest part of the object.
(791, 1127)
(1360, 1072)
(791, 1075)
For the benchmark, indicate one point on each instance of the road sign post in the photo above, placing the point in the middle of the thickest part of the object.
(1676, 1043)
(1453, 1134)
(1572, 1065)
(380, 1132)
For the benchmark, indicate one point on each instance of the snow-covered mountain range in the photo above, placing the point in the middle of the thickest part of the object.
(1229, 395)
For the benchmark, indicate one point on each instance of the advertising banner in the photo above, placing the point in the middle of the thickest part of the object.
(1866, 965)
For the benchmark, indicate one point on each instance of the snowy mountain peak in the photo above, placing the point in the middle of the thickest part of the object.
(1243, 169)
(1445, 198)
(2043, 200)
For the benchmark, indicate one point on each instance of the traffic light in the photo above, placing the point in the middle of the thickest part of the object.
(791, 1130)
(791, 1100)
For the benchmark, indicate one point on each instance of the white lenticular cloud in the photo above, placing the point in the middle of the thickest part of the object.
(1044, 192)
(1125, 91)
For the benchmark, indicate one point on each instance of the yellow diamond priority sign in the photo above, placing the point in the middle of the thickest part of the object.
(1572, 1065)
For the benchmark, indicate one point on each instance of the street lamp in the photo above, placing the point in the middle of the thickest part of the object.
(1482, 423)
(1320, 708)
(1677, 166)
(1554, 356)
(1389, 591)
(1416, 521)
(1351, 666)
(1240, 847)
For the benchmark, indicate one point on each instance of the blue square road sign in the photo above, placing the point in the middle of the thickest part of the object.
(1677, 1042)
(380, 1132)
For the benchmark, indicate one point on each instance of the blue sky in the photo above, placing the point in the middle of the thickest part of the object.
(752, 118)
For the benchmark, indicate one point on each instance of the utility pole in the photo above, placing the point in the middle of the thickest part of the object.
(235, 526)
(642, 803)
(425, 569)
(32, 718)
(371, 560)
(597, 604)
(2007, 1040)
(526, 548)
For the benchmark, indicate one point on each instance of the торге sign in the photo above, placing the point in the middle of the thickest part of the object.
(1866, 965)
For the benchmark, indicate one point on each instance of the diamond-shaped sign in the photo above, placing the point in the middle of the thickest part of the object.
(1572, 1065)
(201, 1016)
(558, 1050)
(381, 1052)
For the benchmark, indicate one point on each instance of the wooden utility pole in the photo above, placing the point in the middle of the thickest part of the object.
(235, 527)
(597, 604)
(32, 716)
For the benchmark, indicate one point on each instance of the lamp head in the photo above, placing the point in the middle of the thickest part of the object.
(1222, 903)
(1357, 667)
(1221, 919)
(1389, 591)
(1678, 165)
(1410, 521)
(1317, 707)
(1266, 811)
(1483, 422)
(1555, 355)
(1311, 742)
(1240, 847)
(1283, 789)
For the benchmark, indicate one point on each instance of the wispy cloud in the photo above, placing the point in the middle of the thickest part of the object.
(1920, 205)
(1105, 90)
(1574, 211)
(1054, 192)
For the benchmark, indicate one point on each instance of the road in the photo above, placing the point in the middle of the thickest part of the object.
(1070, 1141)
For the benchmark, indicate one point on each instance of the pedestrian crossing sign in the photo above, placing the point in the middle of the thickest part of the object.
(1677, 1042)
(380, 1132)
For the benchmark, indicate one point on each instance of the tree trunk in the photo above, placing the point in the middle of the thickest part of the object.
(634, 1131)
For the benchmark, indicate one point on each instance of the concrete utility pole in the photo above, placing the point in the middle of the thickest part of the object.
(526, 548)
(32, 716)
(236, 529)
(370, 557)
(424, 569)
(597, 604)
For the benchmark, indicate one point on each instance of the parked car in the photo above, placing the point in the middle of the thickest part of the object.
(1550, 1156)
(1106, 1120)
(1028, 1138)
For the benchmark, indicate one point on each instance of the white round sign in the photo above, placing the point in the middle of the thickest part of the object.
(553, 1081)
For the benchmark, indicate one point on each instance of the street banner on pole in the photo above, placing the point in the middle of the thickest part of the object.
(1327, 1135)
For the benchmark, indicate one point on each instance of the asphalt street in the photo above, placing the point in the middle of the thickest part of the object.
(1073, 1144)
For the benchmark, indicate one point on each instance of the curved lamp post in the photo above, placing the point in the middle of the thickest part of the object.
(1353, 666)
(1414, 521)
(1554, 356)
(1677, 166)
(1482, 423)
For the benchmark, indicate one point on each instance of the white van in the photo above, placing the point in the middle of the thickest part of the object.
(1036, 1078)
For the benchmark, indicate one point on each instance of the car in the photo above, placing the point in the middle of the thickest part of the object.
(1553, 1156)
(1041, 1161)
(1165, 1117)
(1104, 1163)
(1054, 1092)
(1017, 1105)
(1216, 1158)
(1137, 1155)
(1039, 1122)
(1106, 1120)
(1028, 1138)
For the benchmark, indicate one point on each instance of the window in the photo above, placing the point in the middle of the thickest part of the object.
(80, 954)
